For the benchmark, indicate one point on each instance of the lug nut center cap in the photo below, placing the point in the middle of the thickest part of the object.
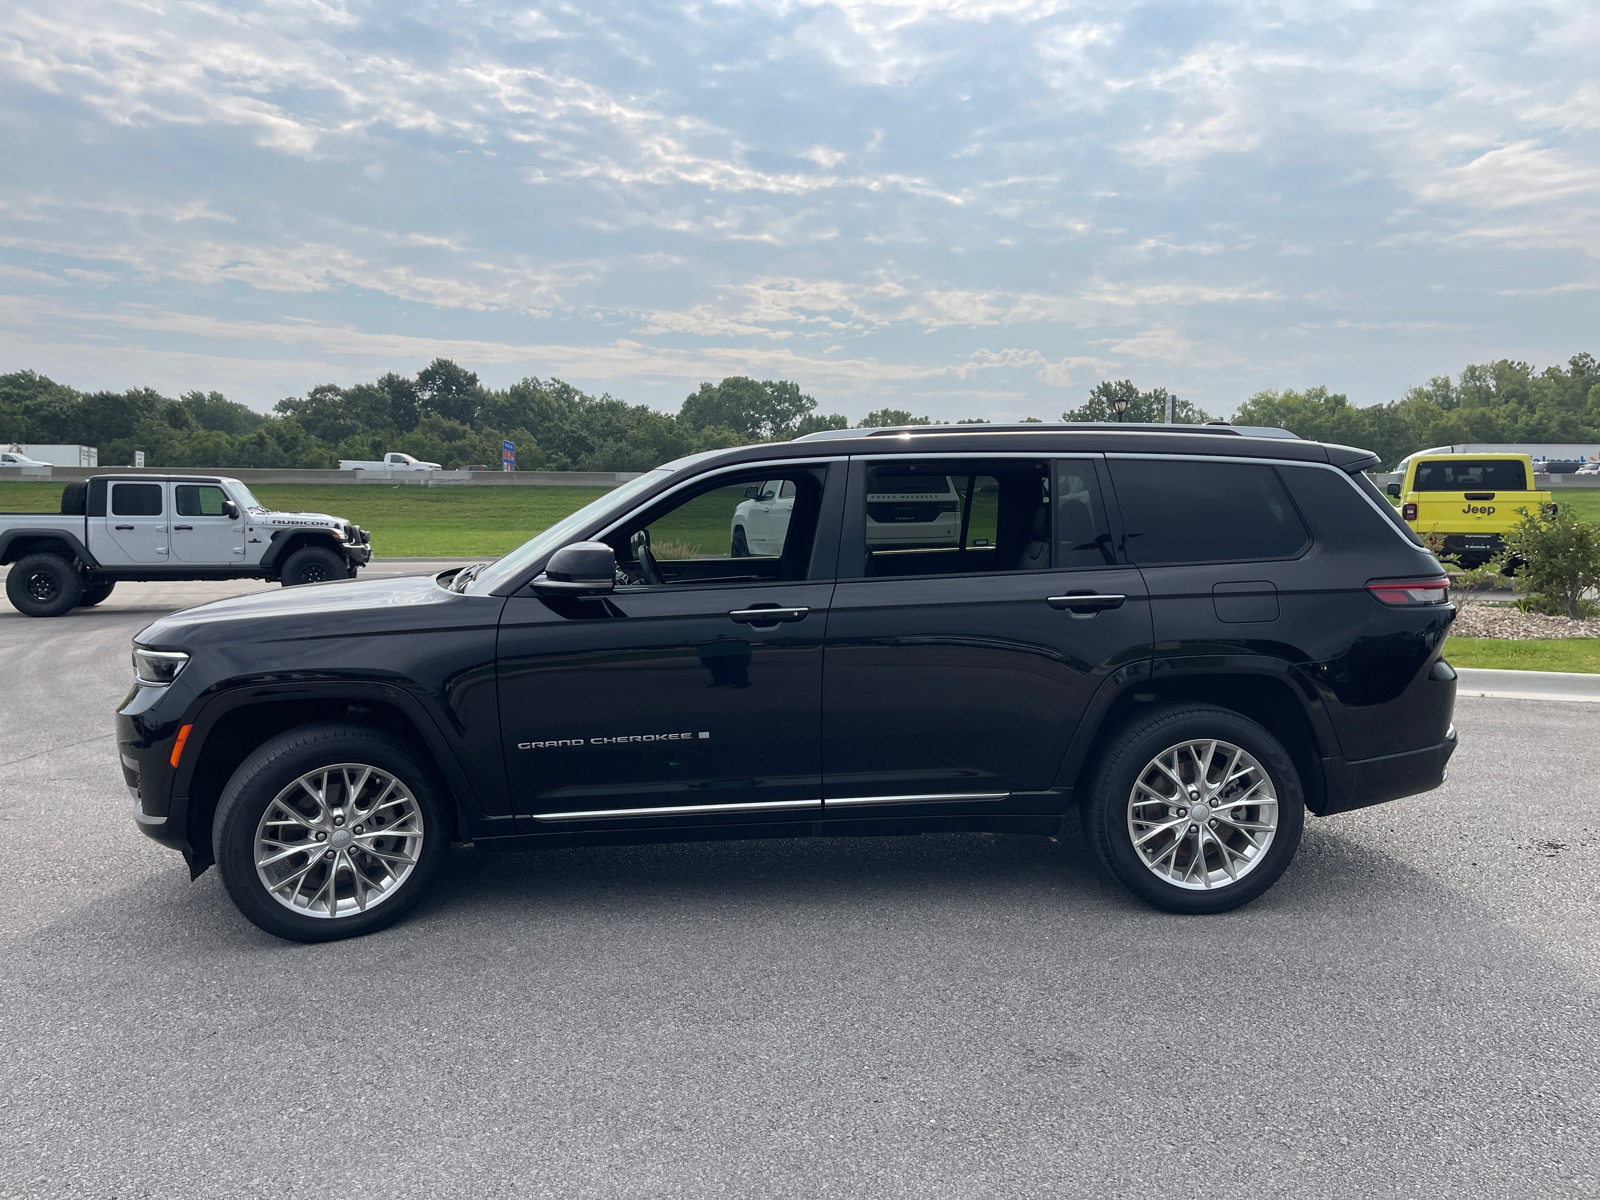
(339, 839)
(1198, 813)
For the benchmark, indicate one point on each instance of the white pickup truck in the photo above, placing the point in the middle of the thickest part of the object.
(391, 462)
(112, 528)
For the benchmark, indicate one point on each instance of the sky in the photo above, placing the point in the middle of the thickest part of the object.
(965, 208)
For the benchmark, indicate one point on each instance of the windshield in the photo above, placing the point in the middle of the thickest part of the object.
(504, 570)
(243, 496)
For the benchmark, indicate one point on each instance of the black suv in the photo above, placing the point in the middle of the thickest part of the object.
(1188, 638)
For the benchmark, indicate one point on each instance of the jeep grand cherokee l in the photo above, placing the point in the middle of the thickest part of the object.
(1182, 639)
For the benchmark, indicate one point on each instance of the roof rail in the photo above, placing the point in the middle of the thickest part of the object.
(1267, 431)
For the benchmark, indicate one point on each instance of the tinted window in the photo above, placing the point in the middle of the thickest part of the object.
(198, 500)
(1462, 475)
(1083, 539)
(1184, 512)
(136, 500)
(957, 518)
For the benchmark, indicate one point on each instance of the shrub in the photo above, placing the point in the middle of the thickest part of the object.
(1560, 558)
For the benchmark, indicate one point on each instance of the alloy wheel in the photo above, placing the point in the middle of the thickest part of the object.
(1202, 814)
(338, 841)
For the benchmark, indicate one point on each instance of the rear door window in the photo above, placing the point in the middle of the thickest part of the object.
(1083, 537)
(136, 500)
(1463, 475)
(1195, 511)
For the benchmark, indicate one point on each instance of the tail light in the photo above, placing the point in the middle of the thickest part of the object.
(1411, 591)
(1408, 512)
(1551, 509)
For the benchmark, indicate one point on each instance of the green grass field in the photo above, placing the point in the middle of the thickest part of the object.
(1541, 654)
(406, 522)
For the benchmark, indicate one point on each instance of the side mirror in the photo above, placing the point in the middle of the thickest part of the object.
(230, 510)
(583, 568)
(1394, 489)
(753, 492)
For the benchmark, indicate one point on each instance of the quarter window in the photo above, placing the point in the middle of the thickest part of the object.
(136, 500)
(1197, 511)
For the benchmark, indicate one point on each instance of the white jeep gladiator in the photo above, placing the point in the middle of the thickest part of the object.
(112, 528)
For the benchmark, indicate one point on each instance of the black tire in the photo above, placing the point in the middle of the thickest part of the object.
(741, 548)
(43, 585)
(267, 773)
(95, 592)
(1131, 753)
(74, 499)
(313, 564)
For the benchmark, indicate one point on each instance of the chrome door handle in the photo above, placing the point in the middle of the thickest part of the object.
(1085, 603)
(183, 526)
(124, 526)
(767, 616)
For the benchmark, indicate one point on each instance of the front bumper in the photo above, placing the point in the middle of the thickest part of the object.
(1368, 781)
(144, 746)
(358, 556)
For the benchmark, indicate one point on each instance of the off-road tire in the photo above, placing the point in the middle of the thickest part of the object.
(75, 499)
(264, 775)
(43, 585)
(1128, 754)
(741, 546)
(95, 592)
(313, 564)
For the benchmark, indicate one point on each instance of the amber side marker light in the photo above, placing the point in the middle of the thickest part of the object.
(1411, 591)
(177, 746)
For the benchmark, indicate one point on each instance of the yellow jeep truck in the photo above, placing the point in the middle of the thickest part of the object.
(1468, 500)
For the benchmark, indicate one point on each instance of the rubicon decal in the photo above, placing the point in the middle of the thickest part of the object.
(627, 739)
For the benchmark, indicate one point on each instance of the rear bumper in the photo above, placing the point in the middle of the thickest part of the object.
(1368, 781)
(1473, 543)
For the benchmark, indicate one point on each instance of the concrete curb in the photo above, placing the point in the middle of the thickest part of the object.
(1528, 685)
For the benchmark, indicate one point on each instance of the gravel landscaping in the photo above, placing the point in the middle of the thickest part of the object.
(1496, 621)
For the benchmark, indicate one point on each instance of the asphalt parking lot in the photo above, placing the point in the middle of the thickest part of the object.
(1413, 1011)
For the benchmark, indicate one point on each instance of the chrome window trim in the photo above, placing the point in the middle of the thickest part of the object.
(934, 798)
(606, 814)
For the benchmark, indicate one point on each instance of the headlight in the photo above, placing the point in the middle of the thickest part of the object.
(159, 667)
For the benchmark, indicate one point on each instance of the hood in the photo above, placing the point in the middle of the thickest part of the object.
(286, 519)
(312, 610)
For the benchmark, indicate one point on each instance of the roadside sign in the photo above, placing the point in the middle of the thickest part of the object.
(138, 459)
(508, 456)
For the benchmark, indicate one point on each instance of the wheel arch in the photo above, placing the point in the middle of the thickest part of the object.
(19, 543)
(286, 541)
(1270, 692)
(233, 725)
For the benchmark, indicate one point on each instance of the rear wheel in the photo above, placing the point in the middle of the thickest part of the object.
(313, 564)
(1195, 809)
(43, 585)
(95, 592)
(330, 832)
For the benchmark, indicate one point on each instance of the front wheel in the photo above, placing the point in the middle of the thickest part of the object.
(313, 564)
(330, 831)
(741, 547)
(1195, 809)
(43, 585)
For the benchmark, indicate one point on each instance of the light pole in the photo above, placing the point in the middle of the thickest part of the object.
(1119, 406)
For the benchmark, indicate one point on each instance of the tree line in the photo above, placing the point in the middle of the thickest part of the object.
(444, 414)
